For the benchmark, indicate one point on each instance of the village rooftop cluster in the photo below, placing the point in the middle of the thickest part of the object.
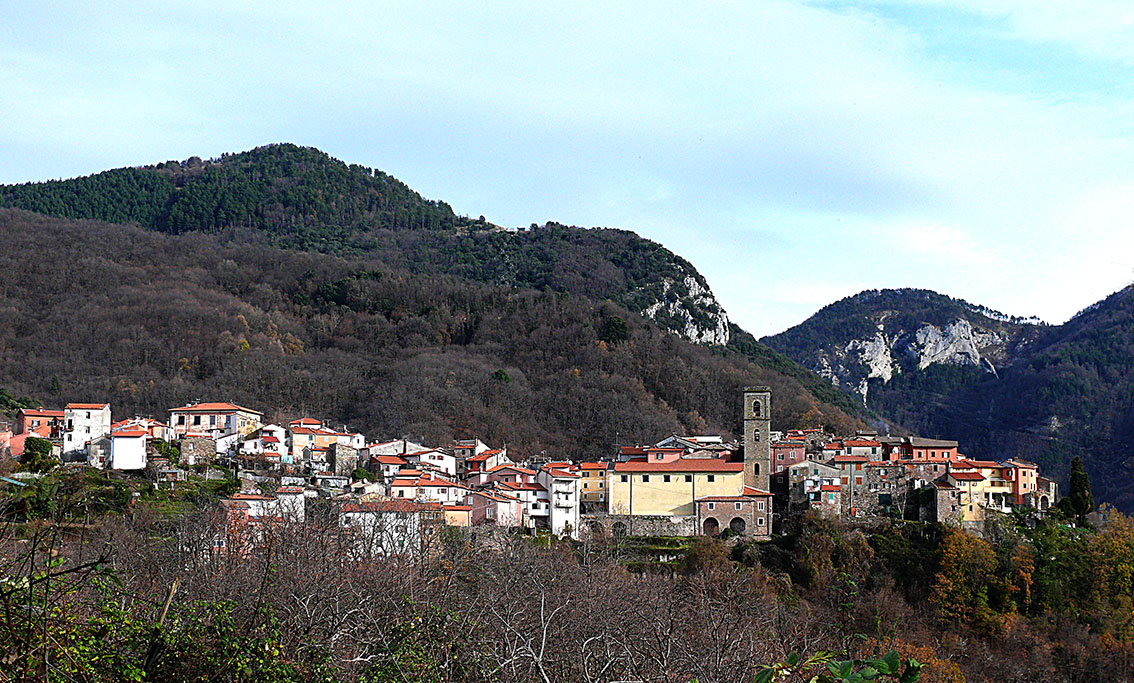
(680, 486)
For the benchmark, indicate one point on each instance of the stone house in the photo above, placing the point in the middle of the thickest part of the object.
(343, 459)
(748, 515)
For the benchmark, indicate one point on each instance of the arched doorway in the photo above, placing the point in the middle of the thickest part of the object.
(737, 525)
(618, 530)
(711, 526)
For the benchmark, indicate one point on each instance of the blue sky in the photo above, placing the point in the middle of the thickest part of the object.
(795, 152)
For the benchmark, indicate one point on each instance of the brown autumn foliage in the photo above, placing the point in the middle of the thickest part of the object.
(148, 321)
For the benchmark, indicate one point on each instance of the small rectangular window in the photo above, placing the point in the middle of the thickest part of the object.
(759, 521)
(760, 505)
(645, 478)
(712, 506)
(625, 478)
(689, 479)
(711, 478)
(665, 478)
(737, 505)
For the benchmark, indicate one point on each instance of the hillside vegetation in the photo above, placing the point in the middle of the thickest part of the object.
(301, 198)
(109, 579)
(148, 321)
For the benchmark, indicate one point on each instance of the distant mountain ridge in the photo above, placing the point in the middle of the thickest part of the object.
(875, 335)
(301, 198)
(1004, 386)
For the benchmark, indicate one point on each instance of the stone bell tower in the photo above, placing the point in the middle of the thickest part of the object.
(757, 437)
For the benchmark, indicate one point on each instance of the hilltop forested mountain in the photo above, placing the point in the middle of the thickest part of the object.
(94, 311)
(1003, 386)
(300, 198)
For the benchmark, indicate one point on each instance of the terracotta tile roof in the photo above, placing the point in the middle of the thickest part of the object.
(561, 474)
(964, 475)
(851, 458)
(212, 408)
(40, 412)
(86, 406)
(521, 470)
(592, 465)
(752, 491)
(458, 508)
(514, 486)
(270, 439)
(830, 487)
(440, 483)
(388, 460)
(250, 496)
(725, 499)
(129, 433)
(681, 465)
(861, 443)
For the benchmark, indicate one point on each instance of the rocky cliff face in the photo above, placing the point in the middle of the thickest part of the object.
(877, 336)
(891, 351)
(688, 307)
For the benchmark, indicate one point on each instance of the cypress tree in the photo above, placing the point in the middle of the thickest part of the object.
(1079, 492)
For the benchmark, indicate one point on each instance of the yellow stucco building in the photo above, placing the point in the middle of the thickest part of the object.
(670, 485)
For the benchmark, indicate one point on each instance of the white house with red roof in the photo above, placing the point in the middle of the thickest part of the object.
(486, 460)
(387, 466)
(267, 440)
(509, 473)
(562, 485)
(306, 436)
(128, 448)
(429, 487)
(537, 509)
(433, 459)
(81, 423)
(214, 419)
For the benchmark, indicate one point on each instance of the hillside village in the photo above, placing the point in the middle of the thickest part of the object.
(398, 494)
